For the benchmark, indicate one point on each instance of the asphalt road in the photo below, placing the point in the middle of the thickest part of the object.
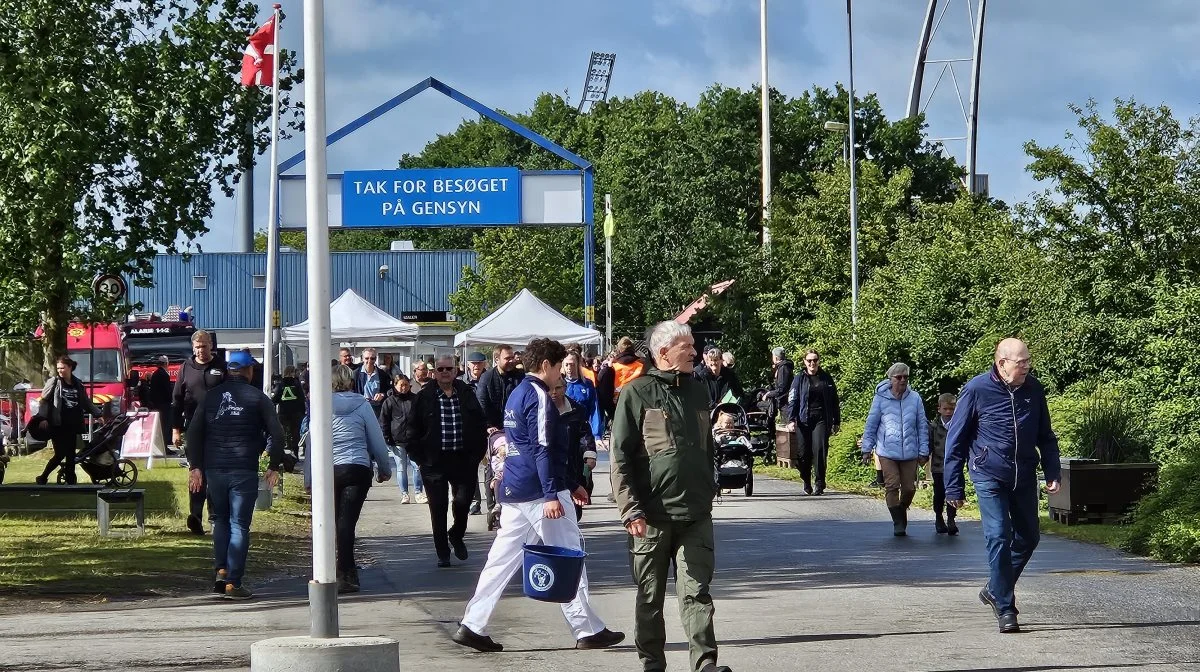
(802, 583)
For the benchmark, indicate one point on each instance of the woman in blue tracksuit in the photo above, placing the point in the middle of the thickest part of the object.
(898, 433)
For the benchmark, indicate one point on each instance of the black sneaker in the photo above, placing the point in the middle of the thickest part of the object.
(601, 640)
(466, 637)
(40, 480)
(220, 581)
(193, 524)
(444, 562)
(713, 667)
(808, 490)
(233, 592)
(940, 525)
(460, 549)
(1008, 623)
(951, 527)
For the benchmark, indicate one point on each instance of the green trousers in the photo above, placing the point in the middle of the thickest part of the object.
(690, 545)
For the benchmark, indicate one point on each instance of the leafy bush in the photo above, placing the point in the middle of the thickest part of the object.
(1167, 522)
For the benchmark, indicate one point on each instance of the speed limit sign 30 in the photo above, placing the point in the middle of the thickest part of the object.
(108, 287)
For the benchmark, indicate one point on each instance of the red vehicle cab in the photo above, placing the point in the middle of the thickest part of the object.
(100, 358)
(146, 340)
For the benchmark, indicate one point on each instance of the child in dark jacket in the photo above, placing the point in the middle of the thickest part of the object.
(938, 428)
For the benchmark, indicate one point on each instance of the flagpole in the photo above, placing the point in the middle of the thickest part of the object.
(272, 215)
(608, 231)
(322, 590)
(766, 127)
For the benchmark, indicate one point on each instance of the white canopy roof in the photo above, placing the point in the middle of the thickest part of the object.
(524, 318)
(353, 319)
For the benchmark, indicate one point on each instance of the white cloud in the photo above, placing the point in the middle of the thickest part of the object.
(368, 25)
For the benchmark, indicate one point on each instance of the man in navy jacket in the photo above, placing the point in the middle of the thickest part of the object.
(1001, 429)
(535, 491)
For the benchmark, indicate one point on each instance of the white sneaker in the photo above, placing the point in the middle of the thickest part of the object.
(421, 498)
(404, 498)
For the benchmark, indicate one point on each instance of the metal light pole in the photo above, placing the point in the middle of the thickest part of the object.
(322, 590)
(853, 176)
(766, 126)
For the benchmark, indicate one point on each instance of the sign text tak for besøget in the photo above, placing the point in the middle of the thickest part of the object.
(431, 197)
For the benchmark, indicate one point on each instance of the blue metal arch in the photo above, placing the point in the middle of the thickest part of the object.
(457, 96)
(585, 166)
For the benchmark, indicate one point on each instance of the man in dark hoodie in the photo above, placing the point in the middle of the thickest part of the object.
(720, 381)
(228, 432)
(197, 376)
(158, 396)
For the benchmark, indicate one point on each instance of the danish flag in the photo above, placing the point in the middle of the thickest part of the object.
(258, 64)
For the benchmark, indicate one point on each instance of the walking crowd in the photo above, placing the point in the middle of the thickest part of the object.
(518, 441)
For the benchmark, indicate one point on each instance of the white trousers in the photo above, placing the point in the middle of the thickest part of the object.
(521, 524)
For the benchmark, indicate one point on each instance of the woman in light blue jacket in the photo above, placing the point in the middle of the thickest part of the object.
(357, 442)
(899, 435)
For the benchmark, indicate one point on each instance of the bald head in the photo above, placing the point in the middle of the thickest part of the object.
(1012, 361)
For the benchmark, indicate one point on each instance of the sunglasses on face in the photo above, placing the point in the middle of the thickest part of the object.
(899, 377)
(444, 369)
(811, 361)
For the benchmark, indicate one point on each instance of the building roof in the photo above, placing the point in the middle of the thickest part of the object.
(226, 290)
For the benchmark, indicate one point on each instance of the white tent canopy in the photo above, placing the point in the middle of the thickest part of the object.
(353, 319)
(524, 318)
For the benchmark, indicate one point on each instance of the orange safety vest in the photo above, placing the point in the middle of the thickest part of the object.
(623, 373)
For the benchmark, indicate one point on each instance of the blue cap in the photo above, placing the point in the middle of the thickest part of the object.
(476, 357)
(239, 360)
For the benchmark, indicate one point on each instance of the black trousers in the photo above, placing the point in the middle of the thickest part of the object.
(939, 496)
(814, 452)
(450, 484)
(291, 432)
(65, 442)
(351, 482)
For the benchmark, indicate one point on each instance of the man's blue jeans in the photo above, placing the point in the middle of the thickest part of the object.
(403, 464)
(231, 497)
(1010, 526)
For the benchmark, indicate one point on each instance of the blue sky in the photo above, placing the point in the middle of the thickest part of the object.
(1039, 56)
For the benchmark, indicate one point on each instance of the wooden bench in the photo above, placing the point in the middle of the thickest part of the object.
(103, 497)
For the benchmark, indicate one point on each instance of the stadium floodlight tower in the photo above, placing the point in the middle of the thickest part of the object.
(595, 85)
(975, 10)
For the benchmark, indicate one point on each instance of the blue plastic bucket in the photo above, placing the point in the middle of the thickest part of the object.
(552, 573)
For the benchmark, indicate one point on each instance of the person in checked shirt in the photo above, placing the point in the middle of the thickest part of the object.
(450, 441)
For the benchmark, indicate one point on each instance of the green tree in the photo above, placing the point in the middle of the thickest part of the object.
(116, 119)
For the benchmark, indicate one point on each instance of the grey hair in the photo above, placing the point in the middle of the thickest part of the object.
(898, 369)
(664, 334)
(372, 352)
(343, 378)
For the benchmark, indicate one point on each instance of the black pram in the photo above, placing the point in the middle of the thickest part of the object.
(734, 451)
(101, 457)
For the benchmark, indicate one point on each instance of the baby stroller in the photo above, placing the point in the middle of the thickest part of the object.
(101, 458)
(734, 451)
(762, 432)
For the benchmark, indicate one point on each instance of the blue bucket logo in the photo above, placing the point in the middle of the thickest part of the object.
(541, 577)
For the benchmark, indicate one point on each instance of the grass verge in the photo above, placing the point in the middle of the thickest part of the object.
(61, 552)
(1113, 536)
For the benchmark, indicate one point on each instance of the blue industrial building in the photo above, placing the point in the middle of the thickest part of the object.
(227, 290)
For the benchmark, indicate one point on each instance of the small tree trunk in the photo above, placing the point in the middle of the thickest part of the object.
(57, 317)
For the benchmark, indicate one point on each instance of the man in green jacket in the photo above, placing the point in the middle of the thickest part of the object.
(663, 474)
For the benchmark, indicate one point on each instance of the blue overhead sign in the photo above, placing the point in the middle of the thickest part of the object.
(431, 197)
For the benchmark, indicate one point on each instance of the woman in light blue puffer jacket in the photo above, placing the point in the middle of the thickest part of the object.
(899, 435)
(357, 442)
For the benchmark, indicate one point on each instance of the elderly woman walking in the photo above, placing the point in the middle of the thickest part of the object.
(357, 442)
(898, 433)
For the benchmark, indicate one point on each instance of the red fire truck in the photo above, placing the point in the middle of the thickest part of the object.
(107, 353)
